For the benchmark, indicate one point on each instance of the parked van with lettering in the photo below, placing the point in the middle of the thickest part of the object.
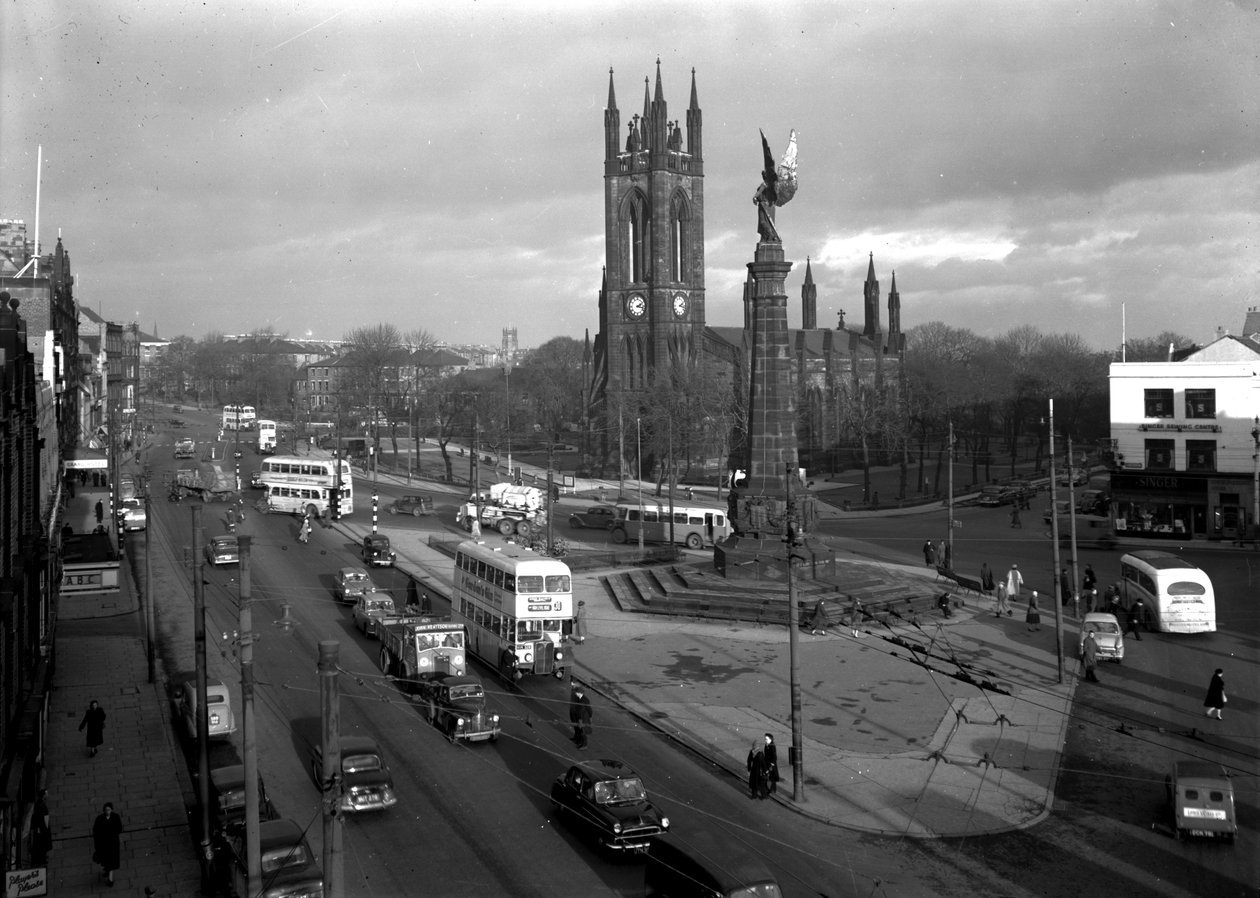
(1178, 595)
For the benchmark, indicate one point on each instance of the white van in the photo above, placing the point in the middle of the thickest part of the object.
(1177, 594)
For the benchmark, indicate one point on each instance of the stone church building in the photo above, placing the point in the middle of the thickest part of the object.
(652, 299)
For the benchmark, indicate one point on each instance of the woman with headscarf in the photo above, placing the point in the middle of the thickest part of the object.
(758, 782)
(771, 752)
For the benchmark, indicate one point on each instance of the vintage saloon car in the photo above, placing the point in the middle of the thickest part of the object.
(598, 517)
(219, 716)
(352, 582)
(376, 551)
(288, 864)
(366, 783)
(412, 505)
(369, 608)
(227, 799)
(606, 800)
(1108, 634)
(456, 705)
(992, 496)
(1202, 800)
(223, 550)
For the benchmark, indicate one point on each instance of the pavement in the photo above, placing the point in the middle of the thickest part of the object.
(99, 650)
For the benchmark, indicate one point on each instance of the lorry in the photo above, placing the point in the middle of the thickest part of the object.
(209, 481)
(508, 508)
(185, 448)
(416, 648)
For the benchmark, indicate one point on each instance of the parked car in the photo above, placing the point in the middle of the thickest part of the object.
(1201, 798)
(377, 552)
(352, 582)
(132, 515)
(606, 800)
(597, 517)
(366, 783)
(456, 705)
(993, 496)
(412, 504)
(1107, 633)
(369, 608)
(227, 799)
(223, 550)
(288, 864)
(222, 722)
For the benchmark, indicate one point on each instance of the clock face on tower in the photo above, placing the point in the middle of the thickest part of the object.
(636, 307)
(680, 306)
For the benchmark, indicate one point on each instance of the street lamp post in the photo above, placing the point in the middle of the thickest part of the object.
(507, 417)
(638, 463)
(1255, 481)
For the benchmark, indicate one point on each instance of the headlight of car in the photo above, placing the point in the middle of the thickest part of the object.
(459, 721)
(559, 655)
(664, 823)
(494, 718)
(616, 829)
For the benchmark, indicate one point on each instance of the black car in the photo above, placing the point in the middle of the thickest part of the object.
(376, 551)
(227, 799)
(412, 505)
(597, 517)
(606, 800)
(288, 864)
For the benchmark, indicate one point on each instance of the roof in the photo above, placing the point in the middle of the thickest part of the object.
(359, 745)
(606, 769)
(1199, 770)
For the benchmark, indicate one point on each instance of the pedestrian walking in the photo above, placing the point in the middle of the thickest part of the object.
(1033, 616)
(94, 722)
(929, 553)
(818, 622)
(772, 763)
(41, 830)
(100, 511)
(304, 532)
(579, 623)
(1089, 655)
(580, 714)
(1089, 586)
(1015, 521)
(107, 841)
(986, 577)
(758, 782)
(1133, 619)
(1216, 698)
(1014, 583)
(1001, 606)
(940, 553)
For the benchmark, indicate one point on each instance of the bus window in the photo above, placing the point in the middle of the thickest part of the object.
(532, 584)
(528, 631)
(498, 578)
(558, 583)
(509, 582)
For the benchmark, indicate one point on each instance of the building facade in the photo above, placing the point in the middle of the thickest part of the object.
(1185, 437)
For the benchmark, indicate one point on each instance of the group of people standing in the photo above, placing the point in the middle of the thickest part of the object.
(763, 768)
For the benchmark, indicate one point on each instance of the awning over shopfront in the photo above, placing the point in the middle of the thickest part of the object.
(83, 459)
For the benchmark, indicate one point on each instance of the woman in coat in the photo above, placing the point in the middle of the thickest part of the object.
(107, 841)
(758, 782)
(94, 722)
(1033, 615)
(1215, 700)
(771, 752)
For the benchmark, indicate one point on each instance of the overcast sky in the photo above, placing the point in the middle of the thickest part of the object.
(311, 167)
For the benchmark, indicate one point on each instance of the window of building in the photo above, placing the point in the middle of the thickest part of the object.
(1200, 403)
(1159, 403)
(1200, 455)
(1159, 455)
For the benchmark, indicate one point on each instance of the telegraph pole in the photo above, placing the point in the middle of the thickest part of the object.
(330, 773)
(148, 583)
(798, 758)
(1054, 538)
(203, 719)
(249, 747)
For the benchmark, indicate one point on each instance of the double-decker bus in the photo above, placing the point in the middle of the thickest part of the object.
(518, 607)
(303, 484)
(693, 526)
(266, 436)
(239, 417)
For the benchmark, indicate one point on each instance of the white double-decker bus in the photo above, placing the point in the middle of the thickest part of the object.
(239, 417)
(303, 484)
(517, 605)
(266, 436)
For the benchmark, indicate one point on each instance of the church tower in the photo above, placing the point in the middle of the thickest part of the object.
(651, 301)
(809, 300)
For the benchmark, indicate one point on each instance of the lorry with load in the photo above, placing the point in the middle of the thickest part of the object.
(417, 647)
(185, 448)
(508, 508)
(209, 481)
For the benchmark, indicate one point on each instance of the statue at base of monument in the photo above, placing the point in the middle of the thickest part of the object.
(777, 187)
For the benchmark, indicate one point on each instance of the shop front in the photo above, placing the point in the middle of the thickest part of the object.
(1178, 506)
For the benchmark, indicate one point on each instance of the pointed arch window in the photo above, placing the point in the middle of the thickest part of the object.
(679, 234)
(636, 238)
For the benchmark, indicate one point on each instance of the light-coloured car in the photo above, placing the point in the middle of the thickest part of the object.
(133, 515)
(369, 608)
(222, 721)
(1108, 634)
(352, 582)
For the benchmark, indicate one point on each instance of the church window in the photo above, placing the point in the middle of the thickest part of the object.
(636, 239)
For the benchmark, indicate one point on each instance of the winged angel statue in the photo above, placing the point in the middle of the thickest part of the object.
(778, 185)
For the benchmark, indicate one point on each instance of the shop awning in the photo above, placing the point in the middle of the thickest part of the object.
(84, 459)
